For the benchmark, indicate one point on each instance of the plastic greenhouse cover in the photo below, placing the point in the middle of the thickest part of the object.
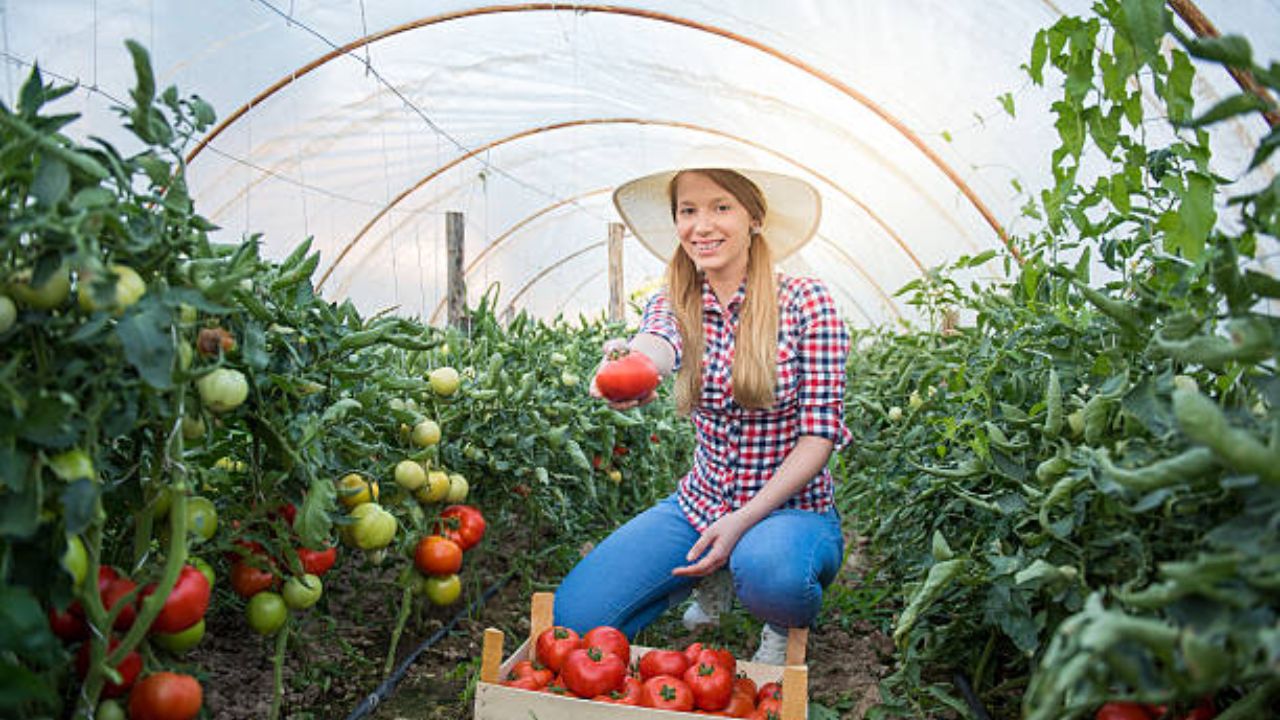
(362, 124)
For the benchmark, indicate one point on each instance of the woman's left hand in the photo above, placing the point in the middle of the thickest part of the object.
(711, 551)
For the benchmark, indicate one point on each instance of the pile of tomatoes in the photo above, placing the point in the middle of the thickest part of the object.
(599, 666)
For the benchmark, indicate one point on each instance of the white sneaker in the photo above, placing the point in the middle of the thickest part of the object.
(711, 597)
(773, 647)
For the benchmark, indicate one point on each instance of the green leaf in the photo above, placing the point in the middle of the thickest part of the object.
(941, 576)
(31, 96)
(1266, 147)
(92, 197)
(46, 420)
(145, 91)
(1039, 53)
(147, 343)
(52, 181)
(78, 500)
(24, 629)
(1006, 102)
(1238, 104)
(20, 687)
(1144, 23)
(1232, 50)
(313, 522)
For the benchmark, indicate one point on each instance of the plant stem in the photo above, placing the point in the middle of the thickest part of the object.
(406, 605)
(277, 663)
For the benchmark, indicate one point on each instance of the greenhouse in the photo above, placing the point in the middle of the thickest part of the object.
(348, 345)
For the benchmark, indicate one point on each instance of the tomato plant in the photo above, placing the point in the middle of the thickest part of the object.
(185, 604)
(128, 668)
(182, 640)
(443, 589)
(301, 593)
(317, 562)
(266, 612)
(437, 555)
(248, 579)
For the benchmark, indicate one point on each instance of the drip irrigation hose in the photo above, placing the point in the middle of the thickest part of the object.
(979, 710)
(388, 686)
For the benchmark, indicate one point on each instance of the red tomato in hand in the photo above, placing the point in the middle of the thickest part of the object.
(317, 562)
(437, 555)
(1122, 711)
(589, 672)
(462, 524)
(627, 375)
(666, 693)
(165, 696)
(554, 645)
(663, 662)
(609, 639)
(712, 685)
(186, 604)
(128, 668)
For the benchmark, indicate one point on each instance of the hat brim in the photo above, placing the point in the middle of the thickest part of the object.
(794, 209)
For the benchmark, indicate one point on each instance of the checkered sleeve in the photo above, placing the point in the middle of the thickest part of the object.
(823, 348)
(659, 320)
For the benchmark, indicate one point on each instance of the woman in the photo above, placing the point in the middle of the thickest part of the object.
(765, 396)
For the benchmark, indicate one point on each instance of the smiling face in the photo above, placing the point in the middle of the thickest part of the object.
(714, 225)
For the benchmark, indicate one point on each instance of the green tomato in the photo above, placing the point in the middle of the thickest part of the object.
(458, 488)
(75, 560)
(266, 612)
(223, 390)
(301, 593)
(8, 313)
(72, 465)
(50, 294)
(110, 710)
(373, 528)
(129, 288)
(444, 381)
(204, 567)
(202, 517)
(181, 641)
(443, 589)
(192, 427)
(426, 433)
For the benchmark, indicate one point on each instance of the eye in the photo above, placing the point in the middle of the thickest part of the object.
(685, 211)
(724, 207)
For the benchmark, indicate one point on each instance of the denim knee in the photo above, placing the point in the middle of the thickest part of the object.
(781, 566)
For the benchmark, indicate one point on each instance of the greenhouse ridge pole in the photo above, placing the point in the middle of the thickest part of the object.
(616, 308)
(1203, 27)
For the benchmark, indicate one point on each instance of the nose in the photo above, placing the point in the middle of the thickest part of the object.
(702, 224)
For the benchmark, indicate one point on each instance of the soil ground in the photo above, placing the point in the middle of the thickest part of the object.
(333, 666)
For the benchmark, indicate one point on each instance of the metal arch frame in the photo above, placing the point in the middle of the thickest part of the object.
(509, 232)
(422, 182)
(547, 270)
(817, 73)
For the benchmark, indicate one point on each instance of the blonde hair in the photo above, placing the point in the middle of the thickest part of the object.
(755, 356)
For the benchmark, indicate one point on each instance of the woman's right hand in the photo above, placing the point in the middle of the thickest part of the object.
(610, 347)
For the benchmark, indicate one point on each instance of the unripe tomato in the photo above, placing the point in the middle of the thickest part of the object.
(202, 518)
(373, 527)
(437, 555)
(192, 427)
(426, 433)
(458, 488)
(444, 381)
(129, 288)
(73, 464)
(181, 641)
(443, 589)
(165, 696)
(266, 612)
(75, 560)
(205, 568)
(301, 593)
(223, 389)
(410, 475)
(436, 488)
(354, 490)
(51, 293)
(8, 313)
(110, 710)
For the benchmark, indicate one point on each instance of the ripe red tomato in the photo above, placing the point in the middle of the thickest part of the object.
(113, 587)
(317, 562)
(1204, 710)
(628, 694)
(744, 684)
(462, 524)
(741, 702)
(589, 672)
(716, 656)
(627, 375)
(768, 709)
(539, 673)
(165, 696)
(554, 645)
(712, 685)
(666, 693)
(527, 682)
(186, 604)
(69, 624)
(128, 668)
(437, 555)
(1122, 711)
(249, 580)
(769, 691)
(663, 662)
(691, 652)
(609, 639)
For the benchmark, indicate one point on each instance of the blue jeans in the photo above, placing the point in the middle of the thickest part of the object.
(780, 567)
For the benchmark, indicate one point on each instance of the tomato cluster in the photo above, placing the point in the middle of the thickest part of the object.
(438, 557)
(598, 666)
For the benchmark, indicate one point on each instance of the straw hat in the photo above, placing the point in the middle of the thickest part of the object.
(794, 206)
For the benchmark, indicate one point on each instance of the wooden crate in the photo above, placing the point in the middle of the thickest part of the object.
(500, 702)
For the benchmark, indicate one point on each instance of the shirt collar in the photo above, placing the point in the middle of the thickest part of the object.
(711, 303)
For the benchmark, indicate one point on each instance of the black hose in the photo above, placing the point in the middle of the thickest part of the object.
(370, 703)
(962, 683)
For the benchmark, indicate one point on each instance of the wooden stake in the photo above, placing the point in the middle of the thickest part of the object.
(491, 655)
(540, 618)
(795, 692)
(617, 305)
(455, 235)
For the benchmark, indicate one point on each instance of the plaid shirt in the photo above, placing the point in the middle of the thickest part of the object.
(739, 449)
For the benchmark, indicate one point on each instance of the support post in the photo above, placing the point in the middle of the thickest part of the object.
(455, 235)
(617, 304)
